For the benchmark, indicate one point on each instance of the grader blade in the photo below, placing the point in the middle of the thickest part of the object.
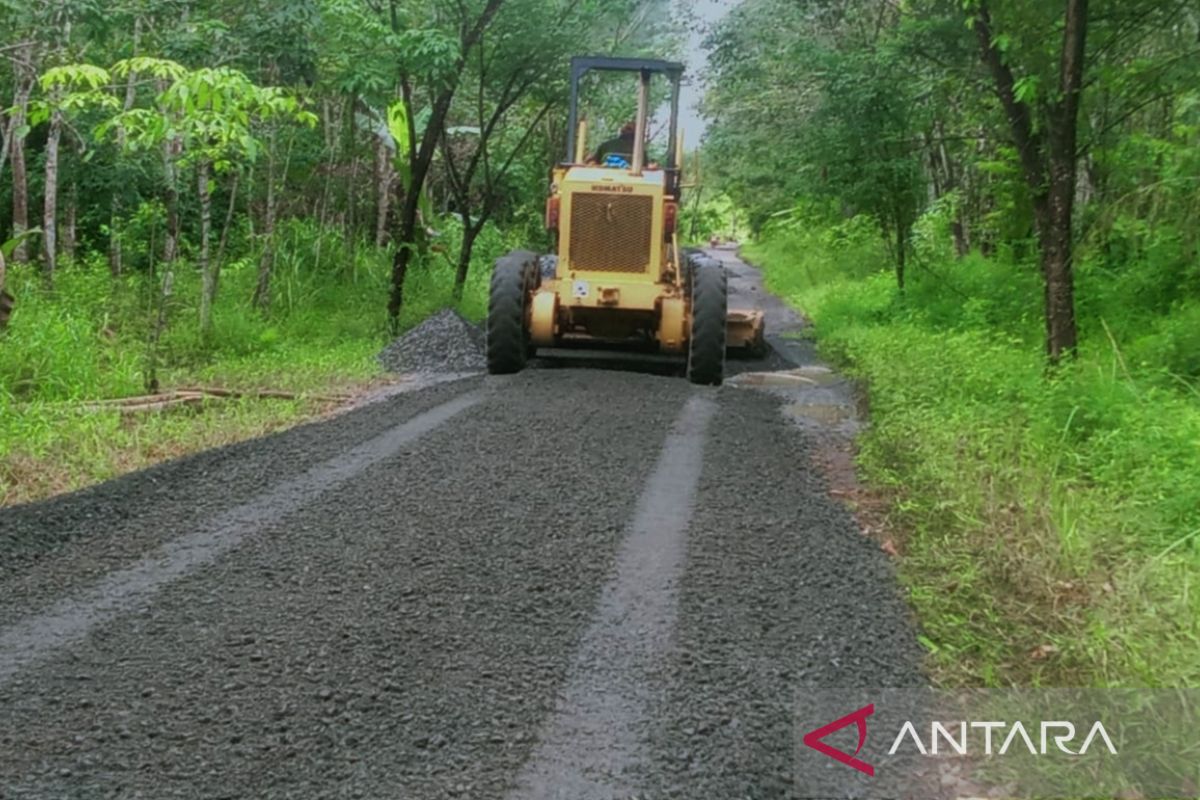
(745, 334)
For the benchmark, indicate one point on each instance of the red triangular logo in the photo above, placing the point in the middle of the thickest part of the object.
(813, 739)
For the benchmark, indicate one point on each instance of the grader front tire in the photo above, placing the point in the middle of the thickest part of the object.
(508, 344)
(706, 347)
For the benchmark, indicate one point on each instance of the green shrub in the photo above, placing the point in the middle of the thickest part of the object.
(1038, 509)
(89, 338)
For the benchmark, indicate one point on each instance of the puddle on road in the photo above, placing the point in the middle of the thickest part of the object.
(825, 413)
(792, 378)
(814, 396)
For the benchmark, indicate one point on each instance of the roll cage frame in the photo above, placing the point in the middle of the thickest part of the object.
(645, 68)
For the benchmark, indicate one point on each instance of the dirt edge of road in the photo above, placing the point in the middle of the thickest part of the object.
(214, 422)
(830, 405)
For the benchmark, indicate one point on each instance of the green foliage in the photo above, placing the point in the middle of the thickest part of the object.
(210, 111)
(64, 350)
(88, 339)
(1060, 512)
(269, 142)
(428, 53)
(1051, 518)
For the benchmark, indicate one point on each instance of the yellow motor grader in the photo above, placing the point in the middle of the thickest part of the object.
(619, 278)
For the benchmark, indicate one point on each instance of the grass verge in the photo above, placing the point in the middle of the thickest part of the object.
(88, 339)
(1049, 522)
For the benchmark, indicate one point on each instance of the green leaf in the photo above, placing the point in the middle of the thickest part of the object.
(7, 248)
(1025, 90)
(397, 119)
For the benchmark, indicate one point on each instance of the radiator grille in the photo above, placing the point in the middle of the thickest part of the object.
(611, 233)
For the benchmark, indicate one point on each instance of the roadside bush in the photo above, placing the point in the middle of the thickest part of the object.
(89, 338)
(1050, 522)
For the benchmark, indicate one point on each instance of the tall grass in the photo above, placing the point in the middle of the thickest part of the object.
(1051, 520)
(89, 338)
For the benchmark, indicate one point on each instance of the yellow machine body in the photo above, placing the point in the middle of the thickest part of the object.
(621, 278)
(617, 278)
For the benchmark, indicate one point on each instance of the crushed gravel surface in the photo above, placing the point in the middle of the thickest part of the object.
(55, 547)
(413, 632)
(446, 342)
(781, 592)
(402, 639)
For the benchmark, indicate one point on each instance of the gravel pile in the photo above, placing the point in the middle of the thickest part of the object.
(446, 342)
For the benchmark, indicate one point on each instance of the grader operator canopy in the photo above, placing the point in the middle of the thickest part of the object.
(645, 68)
(618, 276)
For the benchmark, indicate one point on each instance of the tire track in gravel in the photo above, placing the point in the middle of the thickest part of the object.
(781, 592)
(67, 622)
(592, 743)
(405, 639)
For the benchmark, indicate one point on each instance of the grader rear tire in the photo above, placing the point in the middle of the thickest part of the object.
(508, 344)
(706, 347)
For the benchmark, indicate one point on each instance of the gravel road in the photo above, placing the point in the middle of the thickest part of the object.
(568, 583)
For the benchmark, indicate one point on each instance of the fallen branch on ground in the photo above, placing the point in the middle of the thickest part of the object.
(266, 393)
(197, 395)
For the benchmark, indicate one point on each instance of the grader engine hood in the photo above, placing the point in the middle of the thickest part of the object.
(612, 221)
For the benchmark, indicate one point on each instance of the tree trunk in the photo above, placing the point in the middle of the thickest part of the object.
(470, 234)
(1048, 156)
(352, 199)
(400, 263)
(352, 217)
(6, 299)
(7, 135)
(70, 222)
(350, 152)
(384, 176)
(955, 182)
(262, 289)
(20, 191)
(1053, 213)
(422, 158)
(50, 199)
(170, 174)
(406, 235)
(1058, 273)
(116, 256)
(172, 149)
(1056, 240)
(962, 245)
(156, 331)
(208, 278)
(219, 261)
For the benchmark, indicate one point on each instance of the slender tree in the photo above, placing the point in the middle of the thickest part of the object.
(26, 74)
(471, 26)
(1046, 138)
